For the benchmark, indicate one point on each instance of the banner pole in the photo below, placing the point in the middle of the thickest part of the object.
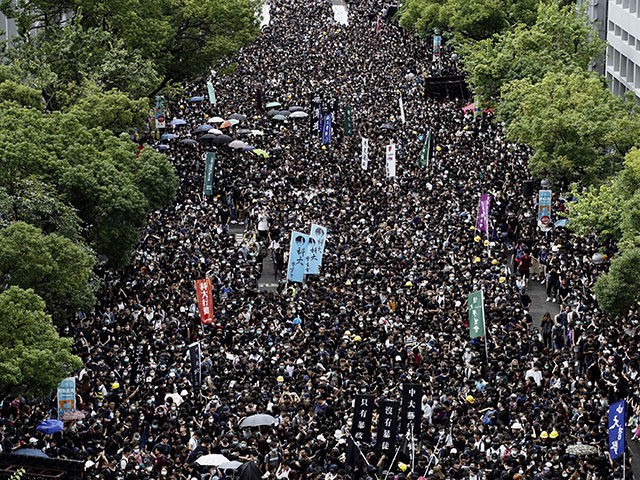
(433, 455)
(624, 463)
(394, 459)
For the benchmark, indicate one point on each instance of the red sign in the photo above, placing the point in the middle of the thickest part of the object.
(205, 300)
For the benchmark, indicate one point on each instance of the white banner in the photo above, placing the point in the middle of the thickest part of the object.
(402, 110)
(364, 163)
(391, 160)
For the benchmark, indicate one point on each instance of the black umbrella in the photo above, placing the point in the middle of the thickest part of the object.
(216, 139)
(239, 117)
(188, 141)
(249, 471)
(388, 126)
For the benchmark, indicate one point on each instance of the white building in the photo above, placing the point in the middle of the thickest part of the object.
(623, 46)
(618, 23)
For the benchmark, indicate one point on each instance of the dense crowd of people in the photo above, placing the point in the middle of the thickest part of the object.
(389, 304)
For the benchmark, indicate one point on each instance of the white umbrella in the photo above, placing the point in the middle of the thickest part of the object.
(215, 120)
(237, 144)
(212, 460)
(215, 131)
(177, 399)
(257, 132)
(299, 114)
(232, 465)
(258, 420)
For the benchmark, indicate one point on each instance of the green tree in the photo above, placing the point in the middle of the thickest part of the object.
(559, 41)
(25, 96)
(38, 204)
(578, 129)
(53, 266)
(98, 174)
(475, 19)
(33, 358)
(137, 46)
(618, 290)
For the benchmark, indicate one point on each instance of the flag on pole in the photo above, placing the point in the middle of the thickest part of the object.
(482, 221)
(297, 257)
(326, 129)
(387, 425)
(205, 300)
(425, 154)
(196, 364)
(617, 420)
(66, 396)
(364, 161)
(475, 303)
(212, 93)
(348, 122)
(378, 25)
(401, 104)
(544, 208)
(209, 164)
(390, 164)
(362, 416)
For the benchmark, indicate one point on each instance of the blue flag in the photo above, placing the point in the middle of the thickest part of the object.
(315, 248)
(326, 129)
(297, 257)
(617, 420)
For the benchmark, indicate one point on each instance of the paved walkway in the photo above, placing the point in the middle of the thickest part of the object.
(539, 305)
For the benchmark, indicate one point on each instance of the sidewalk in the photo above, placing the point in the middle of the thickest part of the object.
(539, 305)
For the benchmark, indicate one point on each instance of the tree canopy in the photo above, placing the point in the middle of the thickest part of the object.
(578, 129)
(33, 358)
(136, 46)
(475, 19)
(558, 41)
(57, 269)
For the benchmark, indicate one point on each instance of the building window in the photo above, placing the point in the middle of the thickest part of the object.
(632, 40)
(633, 6)
(625, 35)
(625, 4)
(636, 80)
(618, 31)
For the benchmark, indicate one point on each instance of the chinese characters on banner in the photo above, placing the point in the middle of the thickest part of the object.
(617, 420)
(205, 300)
(196, 364)
(391, 160)
(475, 303)
(482, 222)
(326, 129)
(66, 396)
(411, 408)
(364, 161)
(387, 425)
(297, 257)
(315, 249)
(208, 173)
(544, 209)
(362, 416)
(401, 105)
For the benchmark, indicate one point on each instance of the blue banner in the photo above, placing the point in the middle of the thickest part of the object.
(544, 207)
(315, 248)
(297, 257)
(326, 129)
(66, 396)
(617, 420)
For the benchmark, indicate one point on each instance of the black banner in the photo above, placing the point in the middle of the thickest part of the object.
(362, 417)
(411, 410)
(196, 365)
(387, 425)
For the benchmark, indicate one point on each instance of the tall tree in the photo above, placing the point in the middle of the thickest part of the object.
(578, 129)
(33, 358)
(559, 41)
(57, 269)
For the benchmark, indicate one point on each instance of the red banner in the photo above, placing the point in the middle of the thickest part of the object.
(205, 300)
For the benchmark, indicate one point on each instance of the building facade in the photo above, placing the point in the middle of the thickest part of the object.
(618, 23)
